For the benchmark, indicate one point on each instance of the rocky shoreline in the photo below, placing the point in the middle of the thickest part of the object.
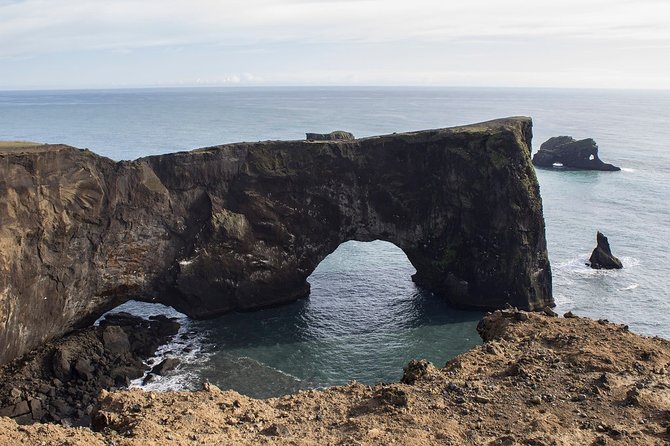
(60, 381)
(536, 380)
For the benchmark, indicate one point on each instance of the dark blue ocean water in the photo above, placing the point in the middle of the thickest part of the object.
(365, 318)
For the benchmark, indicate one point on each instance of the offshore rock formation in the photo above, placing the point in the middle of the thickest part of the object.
(601, 257)
(570, 153)
(242, 226)
(332, 136)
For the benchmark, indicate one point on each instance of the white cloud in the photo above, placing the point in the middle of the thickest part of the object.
(45, 26)
(535, 42)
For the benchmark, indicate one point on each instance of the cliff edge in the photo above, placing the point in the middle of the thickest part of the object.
(242, 226)
(537, 380)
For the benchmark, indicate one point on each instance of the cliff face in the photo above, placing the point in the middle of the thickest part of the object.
(242, 226)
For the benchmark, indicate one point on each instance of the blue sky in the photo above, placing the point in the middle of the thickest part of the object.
(124, 43)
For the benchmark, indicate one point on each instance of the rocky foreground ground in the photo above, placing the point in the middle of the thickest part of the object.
(536, 380)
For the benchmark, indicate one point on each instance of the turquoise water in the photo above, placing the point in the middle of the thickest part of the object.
(365, 318)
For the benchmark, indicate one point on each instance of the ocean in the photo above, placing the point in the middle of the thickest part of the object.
(365, 319)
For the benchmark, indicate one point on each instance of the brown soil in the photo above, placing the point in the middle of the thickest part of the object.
(537, 380)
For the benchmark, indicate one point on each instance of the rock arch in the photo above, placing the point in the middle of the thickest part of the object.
(241, 226)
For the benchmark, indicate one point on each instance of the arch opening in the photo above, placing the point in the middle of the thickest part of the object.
(365, 319)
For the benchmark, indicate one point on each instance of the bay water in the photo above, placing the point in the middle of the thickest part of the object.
(365, 318)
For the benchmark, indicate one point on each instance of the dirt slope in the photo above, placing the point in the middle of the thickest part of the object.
(537, 380)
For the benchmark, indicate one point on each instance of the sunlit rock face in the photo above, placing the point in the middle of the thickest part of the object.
(242, 226)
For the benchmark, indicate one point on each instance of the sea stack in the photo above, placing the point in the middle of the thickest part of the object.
(601, 257)
(566, 152)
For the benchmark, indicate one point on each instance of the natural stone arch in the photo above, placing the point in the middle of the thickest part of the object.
(242, 226)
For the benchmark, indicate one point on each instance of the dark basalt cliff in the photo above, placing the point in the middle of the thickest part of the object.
(242, 226)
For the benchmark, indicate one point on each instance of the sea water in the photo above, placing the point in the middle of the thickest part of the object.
(365, 318)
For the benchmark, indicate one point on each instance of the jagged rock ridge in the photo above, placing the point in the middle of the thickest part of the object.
(242, 226)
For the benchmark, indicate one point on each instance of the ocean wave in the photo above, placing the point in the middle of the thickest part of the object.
(629, 287)
(628, 169)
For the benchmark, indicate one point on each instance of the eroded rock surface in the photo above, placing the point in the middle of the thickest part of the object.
(570, 153)
(242, 226)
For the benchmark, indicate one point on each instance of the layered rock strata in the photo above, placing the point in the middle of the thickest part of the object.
(242, 226)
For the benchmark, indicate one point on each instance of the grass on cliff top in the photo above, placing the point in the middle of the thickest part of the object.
(17, 144)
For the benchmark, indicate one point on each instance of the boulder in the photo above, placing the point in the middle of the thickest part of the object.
(566, 152)
(115, 340)
(601, 257)
(165, 366)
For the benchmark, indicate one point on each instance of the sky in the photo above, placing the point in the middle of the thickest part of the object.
(513, 43)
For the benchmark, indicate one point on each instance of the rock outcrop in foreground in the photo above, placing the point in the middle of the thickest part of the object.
(242, 226)
(537, 380)
(570, 153)
(60, 381)
(602, 257)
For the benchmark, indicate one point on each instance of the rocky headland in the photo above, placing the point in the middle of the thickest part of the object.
(567, 152)
(242, 226)
(536, 380)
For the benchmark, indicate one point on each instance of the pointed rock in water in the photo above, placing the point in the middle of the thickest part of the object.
(601, 257)
(570, 153)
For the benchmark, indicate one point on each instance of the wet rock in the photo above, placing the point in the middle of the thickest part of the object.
(566, 152)
(601, 257)
(165, 366)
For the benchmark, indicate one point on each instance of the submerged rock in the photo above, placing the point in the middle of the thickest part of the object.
(565, 151)
(242, 226)
(601, 257)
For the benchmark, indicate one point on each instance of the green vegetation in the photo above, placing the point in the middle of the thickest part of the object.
(17, 144)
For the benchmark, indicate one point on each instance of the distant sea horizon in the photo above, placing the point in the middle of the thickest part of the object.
(317, 342)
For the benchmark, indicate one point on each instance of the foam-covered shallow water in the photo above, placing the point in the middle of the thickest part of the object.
(365, 318)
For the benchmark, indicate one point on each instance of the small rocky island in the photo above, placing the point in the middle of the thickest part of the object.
(566, 152)
(601, 257)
